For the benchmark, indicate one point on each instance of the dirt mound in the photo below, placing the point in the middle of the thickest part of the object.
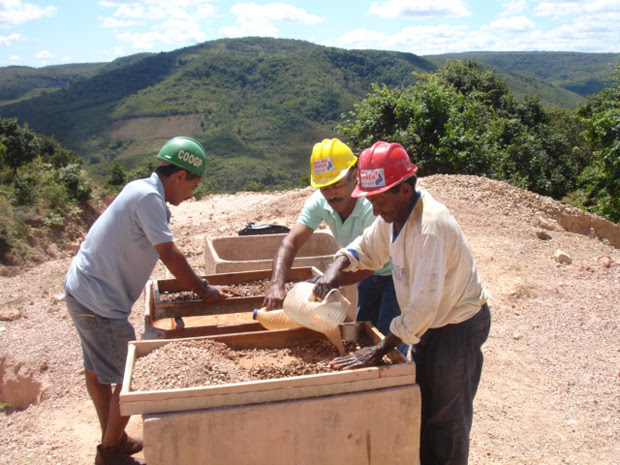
(20, 385)
(550, 386)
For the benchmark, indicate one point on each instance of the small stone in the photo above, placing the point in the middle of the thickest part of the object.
(543, 235)
(562, 257)
(605, 261)
(10, 314)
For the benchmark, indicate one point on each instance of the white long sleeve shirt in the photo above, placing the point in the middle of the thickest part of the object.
(433, 269)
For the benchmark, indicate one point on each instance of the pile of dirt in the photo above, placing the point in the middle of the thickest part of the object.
(550, 387)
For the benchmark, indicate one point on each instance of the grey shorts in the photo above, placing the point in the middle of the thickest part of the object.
(104, 341)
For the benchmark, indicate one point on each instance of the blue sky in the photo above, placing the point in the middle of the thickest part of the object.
(46, 32)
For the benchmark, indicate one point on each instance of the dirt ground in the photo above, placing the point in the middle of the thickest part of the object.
(550, 389)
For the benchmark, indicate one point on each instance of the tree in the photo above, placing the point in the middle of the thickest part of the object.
(464, 120)
(22, 145)
(116, 175)
(601, 179)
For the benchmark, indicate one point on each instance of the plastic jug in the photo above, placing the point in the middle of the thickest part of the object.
(324, 316)
(274, 319)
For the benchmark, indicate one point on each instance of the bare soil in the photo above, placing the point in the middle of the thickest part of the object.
(550, 389)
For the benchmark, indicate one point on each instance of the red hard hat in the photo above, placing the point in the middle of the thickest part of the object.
(381, 167)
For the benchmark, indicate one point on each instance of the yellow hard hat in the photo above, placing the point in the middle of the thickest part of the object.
(330, 161)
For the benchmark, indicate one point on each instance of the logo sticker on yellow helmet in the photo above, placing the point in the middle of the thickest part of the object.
(324, 166)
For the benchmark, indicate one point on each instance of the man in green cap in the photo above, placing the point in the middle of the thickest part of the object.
(109, 272)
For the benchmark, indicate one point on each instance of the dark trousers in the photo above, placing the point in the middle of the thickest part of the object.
(448, 367)
(376, 302)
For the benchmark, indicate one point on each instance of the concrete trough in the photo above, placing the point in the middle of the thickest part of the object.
(244, 253)
(367, 415)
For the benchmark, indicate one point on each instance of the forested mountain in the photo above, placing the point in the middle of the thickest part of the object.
(258, 104)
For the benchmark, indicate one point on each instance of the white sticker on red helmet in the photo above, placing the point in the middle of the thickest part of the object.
(323, 166)
(372, 178)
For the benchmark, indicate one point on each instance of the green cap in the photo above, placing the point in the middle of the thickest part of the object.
(185, 153)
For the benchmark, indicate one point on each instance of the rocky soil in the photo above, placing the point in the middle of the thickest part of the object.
(550, 390)
(194, 363)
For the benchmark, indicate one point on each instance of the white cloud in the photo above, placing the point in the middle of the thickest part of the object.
(257, 20)
(113, 23)
(514, 7)
(412, 9)
(145, 24)
(6, 41)
(358, 39)
(172, 32)
(127, 13)
(15, 12)
(45, 54)
(513, 25)
(273, 13)
(558, 8)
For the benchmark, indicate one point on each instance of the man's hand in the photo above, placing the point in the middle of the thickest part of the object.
(325, 284)
(210, 293)
(274, 299)
(331, 279)
(365, 357)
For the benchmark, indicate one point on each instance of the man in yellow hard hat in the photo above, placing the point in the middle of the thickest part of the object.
(334, 171)
(107, 276)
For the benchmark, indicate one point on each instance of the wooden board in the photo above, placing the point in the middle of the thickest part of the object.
(379, 426)
(400, 373)
(159, 310)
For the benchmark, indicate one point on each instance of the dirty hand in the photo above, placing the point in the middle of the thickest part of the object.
(274, 299)
(213, 293)
(365, 357)
(331, 278)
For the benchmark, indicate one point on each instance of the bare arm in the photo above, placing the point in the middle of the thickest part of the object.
(352, 277)
(283, 262)
(176, 262)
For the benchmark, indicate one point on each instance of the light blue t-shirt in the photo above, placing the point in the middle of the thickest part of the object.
(316, 209)
(118, 255)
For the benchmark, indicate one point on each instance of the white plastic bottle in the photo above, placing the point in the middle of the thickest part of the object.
(274, 319)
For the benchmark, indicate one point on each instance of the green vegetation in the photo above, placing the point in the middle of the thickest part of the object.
(18, 81)
(582, 73)
(43, 193)
(265, 101)
(258, 105)
(599, 182)
(464, 120)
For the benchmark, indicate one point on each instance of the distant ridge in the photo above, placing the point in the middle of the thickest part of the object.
(258, 104)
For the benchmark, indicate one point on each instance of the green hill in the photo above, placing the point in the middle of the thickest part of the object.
(582, 73)
(22, 82)
(257, 104)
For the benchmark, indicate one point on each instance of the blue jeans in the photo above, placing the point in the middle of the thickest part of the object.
(448, 368)
(376, 302)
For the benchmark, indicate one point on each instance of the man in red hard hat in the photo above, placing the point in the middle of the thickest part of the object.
(444, 313)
